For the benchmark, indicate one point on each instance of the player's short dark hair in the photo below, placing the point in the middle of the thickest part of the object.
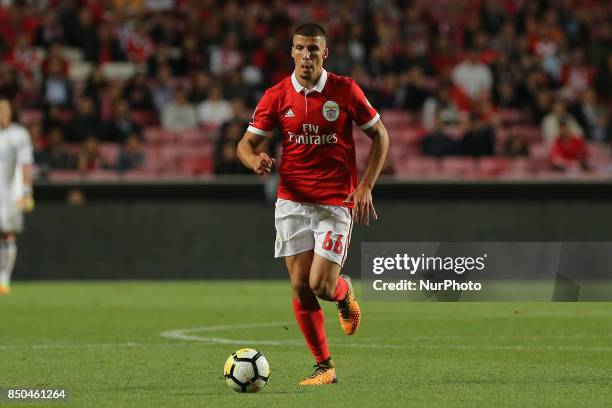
(310, 30)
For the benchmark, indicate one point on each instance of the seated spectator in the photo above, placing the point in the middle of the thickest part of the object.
(179, 114)
(138, 94)
(95, 85)
(86, 35)
(90, 157)
(415, 90)
(568, 151)
(551, 123)
(22, 56)
(57, 90)
(38, 145)
(85, 123)
(437, 143)
(240, 111)
(505, 95)
(107, 47)
(200, 88)
(54, 118)
(131, 156)
(577, 75)
(55, 54)
(163, 88)
(56, 156)
(472, 76)
(215, 110)
(591, 116)
(226, 161)
(603, 80)
(121, 124)
(479, 138)
(441, 105)
(49, 31)
(227, 57)
(516, 145)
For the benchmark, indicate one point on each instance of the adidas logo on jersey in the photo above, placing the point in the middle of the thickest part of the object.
(289, 113)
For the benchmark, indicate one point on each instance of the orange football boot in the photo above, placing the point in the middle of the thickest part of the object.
(348, 310)
(5, 290)
(324, 373)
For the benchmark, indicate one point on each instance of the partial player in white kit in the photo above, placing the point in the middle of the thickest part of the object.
(15, 188)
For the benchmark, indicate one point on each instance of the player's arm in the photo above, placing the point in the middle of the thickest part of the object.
(25, 158)
(260, 163)
(362, 196)
(26, 202)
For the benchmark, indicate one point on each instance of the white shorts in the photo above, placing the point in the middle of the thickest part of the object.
(11, 218)
(302, 227)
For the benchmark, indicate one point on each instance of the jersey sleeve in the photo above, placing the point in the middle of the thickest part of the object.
(264, 118)
(361, 111)
(23, 148)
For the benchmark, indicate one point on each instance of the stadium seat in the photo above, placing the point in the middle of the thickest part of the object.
(158, 135)
(391, 117)
(110, 151)
(510, 116)
(72, 54)
(139, 175)
(416, 166)
(29, 116)
(145, 118)
(460, 167)
(531, 133)
(65, 176)
(79, 71)
(190, 136)
(493, 166)
(102, 176)
(118, 70)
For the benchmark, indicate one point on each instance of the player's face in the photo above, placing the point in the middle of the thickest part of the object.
(308, 54)
(5, 113)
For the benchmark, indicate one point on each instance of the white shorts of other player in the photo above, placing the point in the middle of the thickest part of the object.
(11, 218)
(302, 227)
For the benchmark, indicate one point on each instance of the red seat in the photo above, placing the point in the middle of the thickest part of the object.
(459, 167)
(416, 166)
(145, 118)
(158, 135)
(63, 176)
(493, 166)
(110, 151)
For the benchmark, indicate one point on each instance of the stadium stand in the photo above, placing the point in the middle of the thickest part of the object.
(491, 72)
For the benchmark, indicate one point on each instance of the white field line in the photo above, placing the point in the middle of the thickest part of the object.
(194, 339)
(187, 334)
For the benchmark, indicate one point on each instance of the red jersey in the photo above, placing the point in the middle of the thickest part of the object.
(318, 159)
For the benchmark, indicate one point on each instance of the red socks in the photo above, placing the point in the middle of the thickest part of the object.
(341, 289)
(310, 318)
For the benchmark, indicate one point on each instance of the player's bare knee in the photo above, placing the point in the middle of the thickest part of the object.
(8, 236)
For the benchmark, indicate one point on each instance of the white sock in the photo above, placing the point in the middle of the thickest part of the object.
(8, 254)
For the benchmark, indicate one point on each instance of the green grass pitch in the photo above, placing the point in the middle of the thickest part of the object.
(163, 344)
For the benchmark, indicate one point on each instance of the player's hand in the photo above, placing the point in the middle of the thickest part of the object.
(362, 199)
(26, 203)
(262, 164)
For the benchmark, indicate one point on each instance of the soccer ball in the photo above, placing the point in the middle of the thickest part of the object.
(246, 370)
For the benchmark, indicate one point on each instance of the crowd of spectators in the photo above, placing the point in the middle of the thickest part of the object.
(204, 63)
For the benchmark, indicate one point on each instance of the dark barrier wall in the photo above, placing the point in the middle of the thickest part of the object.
(221, 230)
